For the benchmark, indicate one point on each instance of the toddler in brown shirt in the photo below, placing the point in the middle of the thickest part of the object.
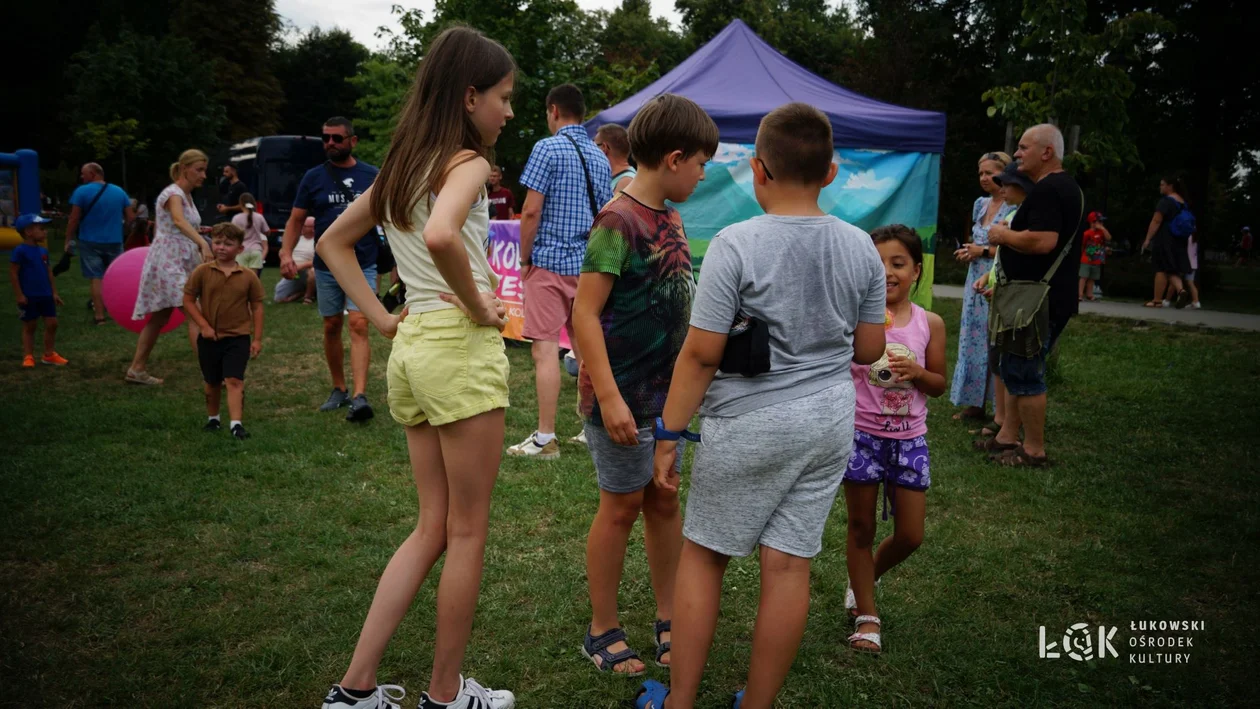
(224, 300)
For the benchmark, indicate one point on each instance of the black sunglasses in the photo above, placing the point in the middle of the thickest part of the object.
(332, 138)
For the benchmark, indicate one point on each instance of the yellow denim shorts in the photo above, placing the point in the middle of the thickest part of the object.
(250, 259)
(445, 368)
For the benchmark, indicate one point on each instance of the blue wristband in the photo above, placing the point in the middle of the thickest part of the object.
(663, 434)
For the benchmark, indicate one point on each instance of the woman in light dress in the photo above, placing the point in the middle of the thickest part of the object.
(176, 250)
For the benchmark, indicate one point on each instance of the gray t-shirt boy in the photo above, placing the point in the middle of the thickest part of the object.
(811, 280)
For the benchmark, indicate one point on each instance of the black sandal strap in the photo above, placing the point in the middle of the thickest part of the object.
(596, 643)
(598, 646)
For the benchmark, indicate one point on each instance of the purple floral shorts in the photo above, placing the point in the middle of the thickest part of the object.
(904, 463)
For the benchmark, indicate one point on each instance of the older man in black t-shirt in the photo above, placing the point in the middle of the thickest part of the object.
(1048, 223)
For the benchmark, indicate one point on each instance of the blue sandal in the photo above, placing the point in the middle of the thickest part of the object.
(662, 626)
(593, 647)
(651, 695)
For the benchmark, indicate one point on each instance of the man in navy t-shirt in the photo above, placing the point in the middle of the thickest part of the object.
(324, 193)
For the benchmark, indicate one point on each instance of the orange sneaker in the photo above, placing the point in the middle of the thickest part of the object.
(28, 361)
(55, 359)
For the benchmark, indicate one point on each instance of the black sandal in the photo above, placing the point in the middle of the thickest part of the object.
(662, 626)
(992, 446)
(593, 647)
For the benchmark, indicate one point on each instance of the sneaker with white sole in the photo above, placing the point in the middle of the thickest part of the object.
(472, 696)
(530, 448)
(387, 696)
(580, 438)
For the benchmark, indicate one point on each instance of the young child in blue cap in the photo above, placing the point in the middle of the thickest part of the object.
(35, 289)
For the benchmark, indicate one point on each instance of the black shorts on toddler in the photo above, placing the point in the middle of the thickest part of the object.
(224, 358)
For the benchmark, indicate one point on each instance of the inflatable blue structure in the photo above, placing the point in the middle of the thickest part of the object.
(20, 195)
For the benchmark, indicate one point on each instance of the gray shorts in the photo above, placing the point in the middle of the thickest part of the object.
(769, 477)
(623, 469)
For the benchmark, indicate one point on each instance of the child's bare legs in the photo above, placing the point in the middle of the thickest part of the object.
(662, 535)
(1194, 291)
(214, 396)
(605, 559)
(907, 529)
(28, 337)
(697, 597)
(781, 616)
(1080, 288)
(148, 338)
(861, 499)
(410, 564)
(1087, 289)
(606, 551)
(50, 336)
(472, 466)
(236, 398)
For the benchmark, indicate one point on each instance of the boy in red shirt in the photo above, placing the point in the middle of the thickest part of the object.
(1093, 254)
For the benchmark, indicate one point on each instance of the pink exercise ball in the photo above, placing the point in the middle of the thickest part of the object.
(121, 287)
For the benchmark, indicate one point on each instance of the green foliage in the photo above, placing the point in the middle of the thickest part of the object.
(317, 73)
(383, 84)
(812, 33)
(158, 91)
(244, 32)
(118, 135)
(1084, 85)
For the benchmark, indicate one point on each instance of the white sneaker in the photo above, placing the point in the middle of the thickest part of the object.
(529, 448)
(472, 696)
(1196, 305)
(580, 438)
(1165, 303)
(387, 696)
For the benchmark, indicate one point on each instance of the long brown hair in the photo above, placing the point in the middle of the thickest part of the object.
(434, 126)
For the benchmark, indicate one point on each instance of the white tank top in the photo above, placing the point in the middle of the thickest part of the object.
(415, 263)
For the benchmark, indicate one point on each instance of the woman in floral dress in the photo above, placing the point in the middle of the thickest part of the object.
(971, 372)
(176, 250)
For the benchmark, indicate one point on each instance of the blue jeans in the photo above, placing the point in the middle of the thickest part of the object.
(332, 299)
(1026, 376)
(95, 257)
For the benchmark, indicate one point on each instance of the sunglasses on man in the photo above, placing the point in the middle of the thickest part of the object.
(334, 138)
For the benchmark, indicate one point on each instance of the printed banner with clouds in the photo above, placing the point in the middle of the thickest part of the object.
(872, 188)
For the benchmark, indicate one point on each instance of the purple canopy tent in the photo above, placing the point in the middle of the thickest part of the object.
(888, 156)
(738, 78)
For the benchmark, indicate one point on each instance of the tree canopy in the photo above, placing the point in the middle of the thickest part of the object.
(1155, 87)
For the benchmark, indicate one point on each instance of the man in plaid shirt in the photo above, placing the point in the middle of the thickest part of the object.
(568, 181)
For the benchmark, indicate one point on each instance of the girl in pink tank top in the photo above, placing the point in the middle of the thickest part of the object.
(890, 436)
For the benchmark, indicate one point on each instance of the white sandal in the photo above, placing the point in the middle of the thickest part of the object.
(141, 378)
(872, 638)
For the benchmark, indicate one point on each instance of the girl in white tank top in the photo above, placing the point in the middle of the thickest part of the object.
(447, 371)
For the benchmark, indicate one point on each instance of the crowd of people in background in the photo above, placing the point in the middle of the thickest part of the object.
(841, 387)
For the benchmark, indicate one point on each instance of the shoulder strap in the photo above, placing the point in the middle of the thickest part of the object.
(1001, 273)
(1071, 240)
(95, 199)
(590, 188)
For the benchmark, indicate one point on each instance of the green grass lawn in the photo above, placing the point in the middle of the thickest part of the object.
(147, 564)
